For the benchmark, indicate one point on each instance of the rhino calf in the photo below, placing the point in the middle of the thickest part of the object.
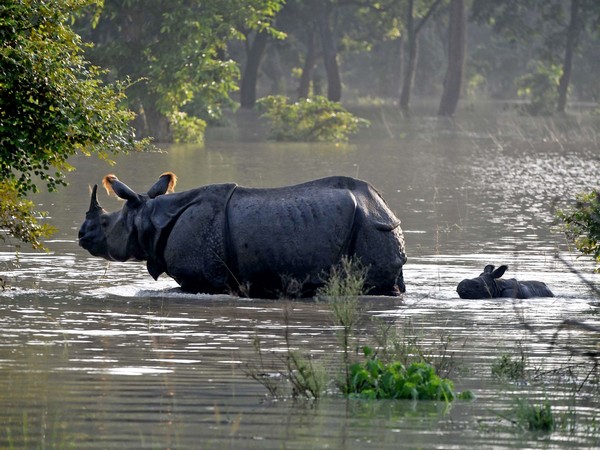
(489, 285)
(217, 238)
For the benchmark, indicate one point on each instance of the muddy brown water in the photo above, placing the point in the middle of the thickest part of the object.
(98, 355)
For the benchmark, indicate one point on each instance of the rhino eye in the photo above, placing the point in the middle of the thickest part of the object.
(103, 222)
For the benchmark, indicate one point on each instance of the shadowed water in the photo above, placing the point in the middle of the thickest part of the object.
(98, 355)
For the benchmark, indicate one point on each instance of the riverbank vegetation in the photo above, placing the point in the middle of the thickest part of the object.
(53, 104)
(581, 224)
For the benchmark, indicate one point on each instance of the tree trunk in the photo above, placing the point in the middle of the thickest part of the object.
(457, 44)
(334, 84)
(398, 82)
(250, 76)
(309, 65)
(412, 32)
(572, 38)
(149, 122)
(409, 70)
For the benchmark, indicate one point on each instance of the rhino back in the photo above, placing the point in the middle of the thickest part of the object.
(512, 288)
(295, 231)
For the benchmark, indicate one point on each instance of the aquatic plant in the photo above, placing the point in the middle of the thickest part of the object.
(363, 376)
(308, 378)
(345, 283)
(405, 343)
(308, 120)
(506, 367)
(373, 379)
(581, 223)
(534, 417)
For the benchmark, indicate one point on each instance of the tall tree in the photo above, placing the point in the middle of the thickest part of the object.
(573, 31)
(457, 47)
(255, 50)
(310, 62)
(413, 25)
(328, 46)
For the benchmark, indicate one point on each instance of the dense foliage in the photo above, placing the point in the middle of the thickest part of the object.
(52, 104)
(176, 52)
(373, 379)
(312, 119)
(582, 223)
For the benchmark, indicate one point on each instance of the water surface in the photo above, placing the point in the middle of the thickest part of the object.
(98, 355)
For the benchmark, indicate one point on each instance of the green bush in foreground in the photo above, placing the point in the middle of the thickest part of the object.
(308, 120)
(374, 379)
(581, 223)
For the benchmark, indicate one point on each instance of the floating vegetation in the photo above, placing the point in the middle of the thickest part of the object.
(373, 379)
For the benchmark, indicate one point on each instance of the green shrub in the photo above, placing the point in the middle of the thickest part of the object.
(541, 89)
(308, 120)
(581, 223)
(373, 379)
(507, 368)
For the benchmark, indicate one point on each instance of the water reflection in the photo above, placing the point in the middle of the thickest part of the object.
(98, 355)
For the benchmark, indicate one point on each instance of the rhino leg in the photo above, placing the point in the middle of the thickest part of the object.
(194, 254)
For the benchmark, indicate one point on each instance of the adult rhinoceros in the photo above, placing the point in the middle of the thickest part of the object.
(216, 238)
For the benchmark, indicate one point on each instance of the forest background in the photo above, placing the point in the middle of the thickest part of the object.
(194, 58)
(101, 76)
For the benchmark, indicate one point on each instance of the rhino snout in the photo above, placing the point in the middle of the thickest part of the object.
(465, 290)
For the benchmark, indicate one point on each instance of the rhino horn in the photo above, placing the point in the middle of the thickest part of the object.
(94, 205)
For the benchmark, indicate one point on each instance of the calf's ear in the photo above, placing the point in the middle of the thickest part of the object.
(499, 271)
(488, 269)
(165, 184)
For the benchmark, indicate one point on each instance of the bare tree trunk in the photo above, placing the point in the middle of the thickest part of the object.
(309, 65)
(572, 38)
(412, 32)
(250, 76)
(334, 84)
(409, 70)
(149, 122)
(457, 45)
(398, 82)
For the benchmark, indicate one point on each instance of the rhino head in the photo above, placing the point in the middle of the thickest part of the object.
(484, 286)
(114, 235)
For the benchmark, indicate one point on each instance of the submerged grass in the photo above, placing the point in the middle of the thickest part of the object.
(534, 417)
(511, 367)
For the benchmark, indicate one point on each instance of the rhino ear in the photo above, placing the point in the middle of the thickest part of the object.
(165, 184)
(488, 269)
(113, 186)
(499, 271)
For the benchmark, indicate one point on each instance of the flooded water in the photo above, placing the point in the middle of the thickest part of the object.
(98, 355)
